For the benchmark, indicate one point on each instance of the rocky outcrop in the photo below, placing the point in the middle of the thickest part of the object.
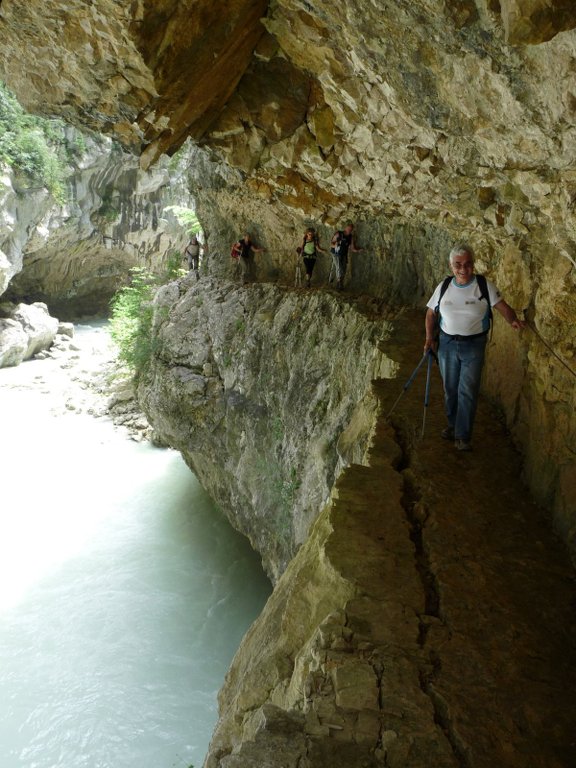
(74, 255)
(150, 73)
(428, 121)
(267, 395)
(25, 330)
(13, 343)
(408, 631)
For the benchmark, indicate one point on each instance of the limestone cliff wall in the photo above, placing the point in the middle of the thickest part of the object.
(403, 633)
(74, 255)
(267, 395)
(426, 120)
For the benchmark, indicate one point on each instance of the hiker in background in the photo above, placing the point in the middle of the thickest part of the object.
(192, 254)
(341, 245)
(309, 251)
(462, 308)
(245, 250)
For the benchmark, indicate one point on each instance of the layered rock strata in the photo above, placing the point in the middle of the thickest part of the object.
(426, 621)
(428, 120)
(267, 394)
(74, 255)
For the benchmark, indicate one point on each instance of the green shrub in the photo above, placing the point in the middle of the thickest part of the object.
(131, 321)
(32, 145)
(174, 268)
(132, 314)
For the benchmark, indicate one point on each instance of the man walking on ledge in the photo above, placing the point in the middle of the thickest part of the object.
(463, 306)
(341, 246)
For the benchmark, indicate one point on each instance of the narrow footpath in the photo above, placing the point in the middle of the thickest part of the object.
(498, 628)
(429, 621)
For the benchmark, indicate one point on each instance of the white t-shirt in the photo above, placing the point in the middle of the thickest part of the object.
(462, 311)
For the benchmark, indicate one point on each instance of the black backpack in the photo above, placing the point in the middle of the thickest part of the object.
(482, 284)
(342, 244)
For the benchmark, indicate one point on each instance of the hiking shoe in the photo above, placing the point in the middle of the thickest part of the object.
(462, 445)
(448, 433)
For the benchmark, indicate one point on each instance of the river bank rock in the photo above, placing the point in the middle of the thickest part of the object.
(38, 325)
(13, 343)
(257, 388)
(26, 331)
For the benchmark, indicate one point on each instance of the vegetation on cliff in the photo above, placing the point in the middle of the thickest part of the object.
(35, 146)
(132, 313)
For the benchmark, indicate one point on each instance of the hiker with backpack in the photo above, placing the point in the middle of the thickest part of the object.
(341, 245)
(192, 254)
(309, 251)
(244, 250)
(458, 320)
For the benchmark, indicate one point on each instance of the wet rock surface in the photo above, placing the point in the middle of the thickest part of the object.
(428, 620)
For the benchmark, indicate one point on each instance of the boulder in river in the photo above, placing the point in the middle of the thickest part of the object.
(13, 343)
(38, 325)
(27, 330)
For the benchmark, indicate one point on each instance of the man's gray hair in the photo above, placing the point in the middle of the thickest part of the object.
(459, 249)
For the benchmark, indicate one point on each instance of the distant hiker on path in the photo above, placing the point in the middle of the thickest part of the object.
(244, 250)
(462, 305)
(341, 245)
(309, 251)
(192, 254)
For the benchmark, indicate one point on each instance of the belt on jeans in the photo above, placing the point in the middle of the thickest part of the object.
(457, 337)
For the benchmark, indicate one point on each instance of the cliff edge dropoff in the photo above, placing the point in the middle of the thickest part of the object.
(429, 121)
(267, 394)
(427, 621)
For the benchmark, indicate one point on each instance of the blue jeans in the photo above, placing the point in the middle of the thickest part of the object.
(461, 362)
(340, 262)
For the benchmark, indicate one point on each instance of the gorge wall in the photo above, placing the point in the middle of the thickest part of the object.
(75, 253)
(426, 121)
(267, 394)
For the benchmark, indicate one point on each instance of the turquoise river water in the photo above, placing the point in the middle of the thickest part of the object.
(124, 593)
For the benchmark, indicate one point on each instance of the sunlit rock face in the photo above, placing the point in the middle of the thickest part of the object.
(74, 255)
(427, 121)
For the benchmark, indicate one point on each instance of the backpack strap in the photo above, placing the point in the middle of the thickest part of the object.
(445, 284)
(484, 294)
(483, 285)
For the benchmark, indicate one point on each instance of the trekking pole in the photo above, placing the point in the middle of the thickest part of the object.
(298, 275)
(408, 384)
(431, 356)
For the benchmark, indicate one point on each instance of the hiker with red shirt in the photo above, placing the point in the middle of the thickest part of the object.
(341, 246)
(245, 250)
